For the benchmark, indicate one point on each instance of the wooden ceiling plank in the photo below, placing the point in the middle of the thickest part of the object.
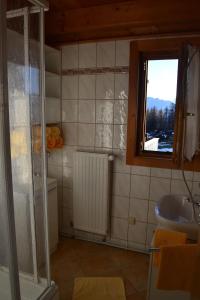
(75, 4)
(131, 17)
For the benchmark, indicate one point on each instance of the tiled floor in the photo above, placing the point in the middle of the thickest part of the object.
(76, 258)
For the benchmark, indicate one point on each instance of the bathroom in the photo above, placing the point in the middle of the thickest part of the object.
(90, 194)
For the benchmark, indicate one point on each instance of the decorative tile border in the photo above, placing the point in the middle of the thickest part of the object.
(91, 71)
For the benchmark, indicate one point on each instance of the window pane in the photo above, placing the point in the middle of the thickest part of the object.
(160, 104)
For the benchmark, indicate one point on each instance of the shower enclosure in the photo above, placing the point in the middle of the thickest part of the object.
(24, 244)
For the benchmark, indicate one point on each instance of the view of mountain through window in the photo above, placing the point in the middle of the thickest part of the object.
(160, 104)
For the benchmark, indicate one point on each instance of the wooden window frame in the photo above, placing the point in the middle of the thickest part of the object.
(155, 48)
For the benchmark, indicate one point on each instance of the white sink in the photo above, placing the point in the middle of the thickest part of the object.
(175, 212)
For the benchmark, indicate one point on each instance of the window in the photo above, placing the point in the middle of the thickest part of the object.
(156, 89)
(160, 87)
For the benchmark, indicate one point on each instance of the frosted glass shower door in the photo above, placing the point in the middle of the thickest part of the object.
(28, 173)
(25, 44)
(24, 255)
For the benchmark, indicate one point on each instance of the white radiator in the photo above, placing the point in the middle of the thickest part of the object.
(91, 189)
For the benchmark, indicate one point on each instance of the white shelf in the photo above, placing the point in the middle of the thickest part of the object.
(49, 50)
(51, 74)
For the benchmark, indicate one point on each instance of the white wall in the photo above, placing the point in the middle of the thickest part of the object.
(94, 116)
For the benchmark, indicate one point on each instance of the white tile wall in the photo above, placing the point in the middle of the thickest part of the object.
(68, 198)
(106, 54)
(54, 114)
(55, 158)
(177, 174)
(104, 136)
(87, 55)
(122, 53)
(70, 57)
(53, 109)
(69, 111)
(161, 173)
(105, 86)
(67, 177)
(138, 233)
(55, 171)
(104, 111)
(140, 186)
(120, 207)
(86, 135)
(87, 87)
(151, 212)
(120, 111)
(138, 209)
(196, 188)
(121, 86)
(86, 111)
(196, 176)
(70, 133)
(120, 165)
(179, 187)
(119, 228)
(119, 137)
(70, 87)
(94, 111)
(121, 184)
(138, 170)
(159, 187)
(67, 156)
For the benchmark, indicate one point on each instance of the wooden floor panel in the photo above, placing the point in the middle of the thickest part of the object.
(75, 258)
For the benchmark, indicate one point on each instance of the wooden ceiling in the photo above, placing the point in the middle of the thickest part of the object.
(75, 4)
(70, 21)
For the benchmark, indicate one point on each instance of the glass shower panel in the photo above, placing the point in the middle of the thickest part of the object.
(25, 109)
(20, 142)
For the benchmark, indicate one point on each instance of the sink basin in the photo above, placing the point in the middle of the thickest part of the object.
(175, 212)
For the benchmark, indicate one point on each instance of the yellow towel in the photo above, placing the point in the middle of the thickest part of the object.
(48, 131)
(51, 142)
(164, 237)
(54, 138)
(99, 288)
(59, 142)
(55, 131)
(177, 267)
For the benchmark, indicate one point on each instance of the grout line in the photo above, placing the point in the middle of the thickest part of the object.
(96, 70)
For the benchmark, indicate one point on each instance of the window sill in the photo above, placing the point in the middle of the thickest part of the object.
(162, 162)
